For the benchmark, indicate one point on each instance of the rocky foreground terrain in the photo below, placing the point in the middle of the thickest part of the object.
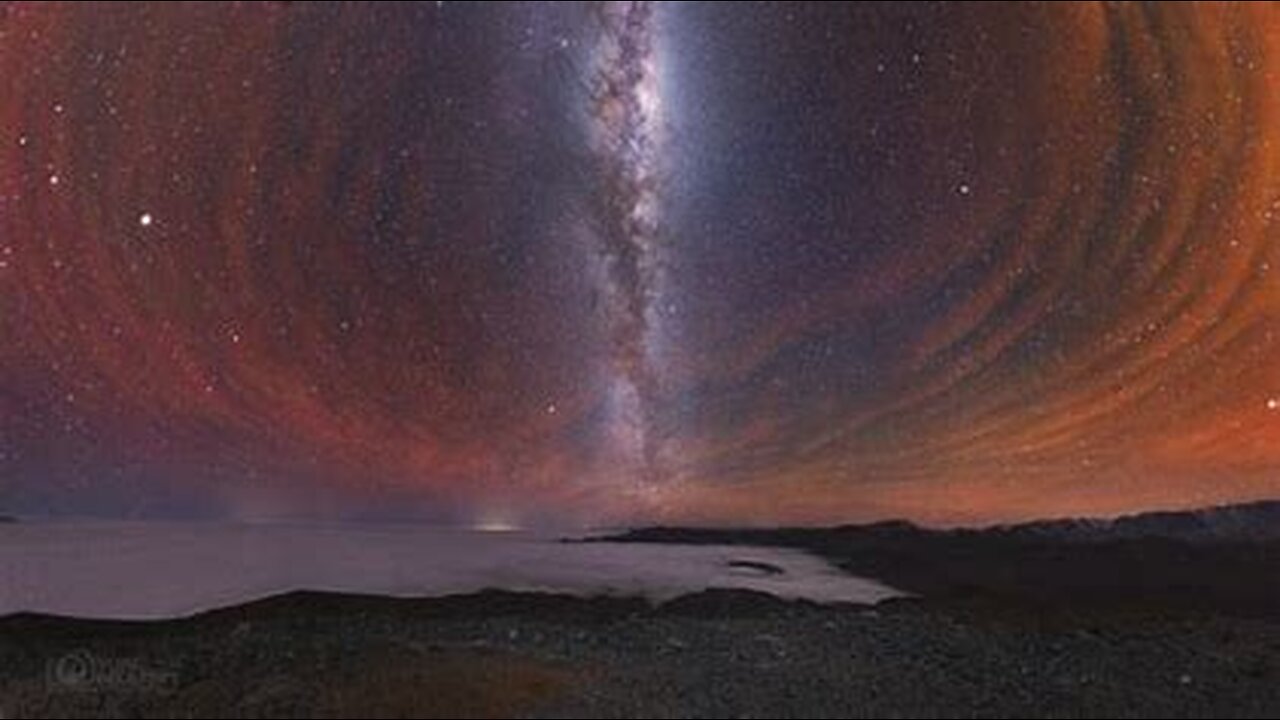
(1011, 622)
(713, 655)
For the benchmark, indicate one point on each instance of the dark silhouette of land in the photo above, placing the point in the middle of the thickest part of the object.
(1159, 615)
(1224, 559)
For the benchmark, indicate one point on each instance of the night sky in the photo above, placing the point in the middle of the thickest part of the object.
(743, 263)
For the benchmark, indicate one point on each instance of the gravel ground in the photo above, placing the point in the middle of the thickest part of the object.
(714, 655)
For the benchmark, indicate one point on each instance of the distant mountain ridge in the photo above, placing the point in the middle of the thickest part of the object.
(1220, 559)
(1255, 521)
(1245, 522)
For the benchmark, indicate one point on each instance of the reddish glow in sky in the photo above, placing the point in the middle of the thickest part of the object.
(631, 262)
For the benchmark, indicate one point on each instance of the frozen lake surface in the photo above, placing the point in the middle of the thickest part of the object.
(137, 570)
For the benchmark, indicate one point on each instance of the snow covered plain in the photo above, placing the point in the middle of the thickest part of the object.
(137, 570)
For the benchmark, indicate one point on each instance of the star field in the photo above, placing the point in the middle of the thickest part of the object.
(617, 262)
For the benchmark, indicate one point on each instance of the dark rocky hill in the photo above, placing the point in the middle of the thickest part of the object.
(1222, 558)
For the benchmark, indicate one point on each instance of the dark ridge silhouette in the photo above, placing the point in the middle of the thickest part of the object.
(1219, 559)
(305, 610)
